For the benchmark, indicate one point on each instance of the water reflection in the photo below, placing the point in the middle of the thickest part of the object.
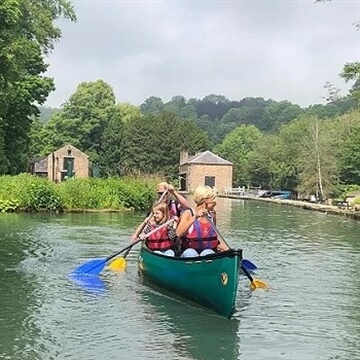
(310, 260)
(20, 297)
(91, 284)
(198, 333)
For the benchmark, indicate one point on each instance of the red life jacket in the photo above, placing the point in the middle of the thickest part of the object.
(173, 209)
(159, 240)
(201, 236)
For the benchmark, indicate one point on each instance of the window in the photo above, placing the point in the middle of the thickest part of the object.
(68, 168)
(210, 181)
(68, 162)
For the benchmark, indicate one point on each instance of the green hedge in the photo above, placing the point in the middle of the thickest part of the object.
(32, 193)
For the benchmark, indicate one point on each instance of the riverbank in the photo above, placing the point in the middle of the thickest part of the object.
(327, 209)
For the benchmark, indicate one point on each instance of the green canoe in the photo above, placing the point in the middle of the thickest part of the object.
(211, 281)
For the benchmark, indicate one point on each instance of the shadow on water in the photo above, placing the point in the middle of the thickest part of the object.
(198, 332)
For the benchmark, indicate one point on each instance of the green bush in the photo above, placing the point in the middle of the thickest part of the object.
(42, 196)
(112, 193)
(10, 205)
(343, 190)
(33, 193)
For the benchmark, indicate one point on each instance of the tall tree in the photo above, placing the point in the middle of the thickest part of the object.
(152, 105)
(236, 148)
(83, 119)
(152, 144)
(351, 71)
(317, 161)
(112, 147)
(348, 140)
(128, 112)
(27, 32)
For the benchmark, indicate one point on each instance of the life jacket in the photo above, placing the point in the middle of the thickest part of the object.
(159, 240)
(201, 236)
(173, 209)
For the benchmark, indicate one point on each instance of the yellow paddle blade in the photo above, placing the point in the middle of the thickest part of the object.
(258, 284)
(118, 264)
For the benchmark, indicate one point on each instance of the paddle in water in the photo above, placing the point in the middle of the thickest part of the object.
(119, 264)
(254, 284)
(96, 266)
(248, 264)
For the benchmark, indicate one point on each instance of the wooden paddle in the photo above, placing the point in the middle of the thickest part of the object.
(120, 263)
(95, 266)
(254, 284)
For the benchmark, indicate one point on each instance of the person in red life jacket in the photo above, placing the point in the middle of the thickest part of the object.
(198, 236)
(176, 203)
(162, 241)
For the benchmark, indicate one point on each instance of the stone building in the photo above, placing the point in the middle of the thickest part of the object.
(205, 168)
(63, 163)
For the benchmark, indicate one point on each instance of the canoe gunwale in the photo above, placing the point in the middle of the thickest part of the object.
(228, 253)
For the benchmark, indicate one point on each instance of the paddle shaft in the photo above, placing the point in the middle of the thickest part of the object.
(254, 283)
(151, 214)
(139, 231)
(224, 241)
(246, 272)
(127, 247)
(216, 230)
(243, 268)
(138, 240)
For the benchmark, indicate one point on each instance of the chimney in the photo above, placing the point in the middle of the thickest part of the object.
(184, 155)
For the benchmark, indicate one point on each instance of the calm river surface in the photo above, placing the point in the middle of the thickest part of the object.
(312, 311)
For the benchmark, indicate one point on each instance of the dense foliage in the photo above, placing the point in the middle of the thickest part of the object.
(32, 193)
(27, 32)
(271, 144)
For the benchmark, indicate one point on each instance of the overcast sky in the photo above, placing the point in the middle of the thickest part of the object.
(284, 50)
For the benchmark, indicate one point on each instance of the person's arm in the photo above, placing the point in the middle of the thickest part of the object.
(140, 228)
(145, 231)
(184, 204)
(185, 221)
(187, 218)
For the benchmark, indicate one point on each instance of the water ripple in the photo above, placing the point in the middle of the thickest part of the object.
(311, 311)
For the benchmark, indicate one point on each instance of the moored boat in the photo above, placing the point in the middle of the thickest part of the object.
(211, 280)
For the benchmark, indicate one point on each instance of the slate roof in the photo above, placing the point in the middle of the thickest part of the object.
(206, 157)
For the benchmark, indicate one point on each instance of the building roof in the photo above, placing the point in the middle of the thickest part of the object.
(40, 164)
(37, 159)
(206, 157)
(72, 147)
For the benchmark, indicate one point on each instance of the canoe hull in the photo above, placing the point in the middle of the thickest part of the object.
(211, 281)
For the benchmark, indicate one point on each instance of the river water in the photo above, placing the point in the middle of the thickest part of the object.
(311, 312)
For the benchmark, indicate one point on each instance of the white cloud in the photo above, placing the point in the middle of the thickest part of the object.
(285, 50)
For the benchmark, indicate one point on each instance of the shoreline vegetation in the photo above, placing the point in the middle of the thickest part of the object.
(327, 209)
(29, 193)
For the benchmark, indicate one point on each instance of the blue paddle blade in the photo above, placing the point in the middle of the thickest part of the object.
(248, 264)
(92, 267)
